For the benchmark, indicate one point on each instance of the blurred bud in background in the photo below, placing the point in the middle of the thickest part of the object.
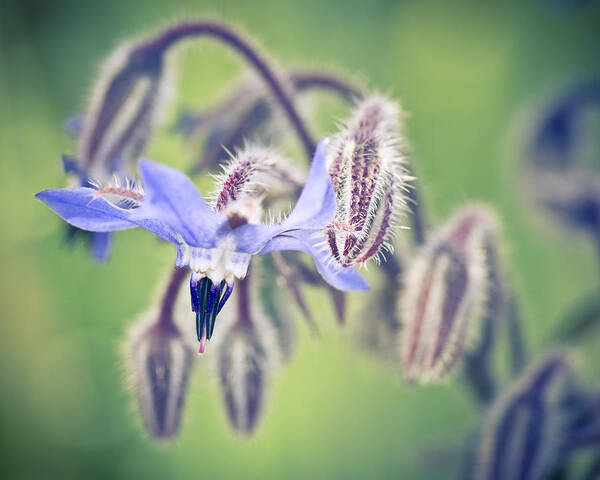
(245, 361)
(127, 99)
(125, 104)
(562, 157)
(366, 168)
(160, 362)
(245, 112)
(159, 358)
(446, 286)
(523, 434)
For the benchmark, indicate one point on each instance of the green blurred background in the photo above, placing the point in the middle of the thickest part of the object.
(464, 71)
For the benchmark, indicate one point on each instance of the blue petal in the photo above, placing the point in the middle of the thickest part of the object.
(316, 206)
(342, 278)
(252, 238)
(172, 208)
(176, 201)
(82, 208)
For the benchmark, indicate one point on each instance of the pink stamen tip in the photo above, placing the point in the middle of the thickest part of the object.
(202, 346)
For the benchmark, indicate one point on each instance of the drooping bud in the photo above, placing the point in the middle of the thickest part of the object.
(125, 104)
(446, 287)
(561, 157)
(244, 377)
(365, 162)
(523, 435)
(245, 362)
(160, 362)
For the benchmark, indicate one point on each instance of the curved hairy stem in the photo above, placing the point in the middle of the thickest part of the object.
(227, 35)
(305, 80)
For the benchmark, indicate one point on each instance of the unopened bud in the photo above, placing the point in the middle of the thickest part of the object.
(245, 360)
(365, 163)
(253, 174)
(123, 109)
(446, 287)
(523, 434)
(160, 363)
(243, 369)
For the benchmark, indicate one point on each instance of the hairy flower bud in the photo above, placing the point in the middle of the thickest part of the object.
(365, 163)
(123, 109)
(243, 369)
(253, 174)
(523, 434)
(160, 362)
(245, 360)
(445, 291)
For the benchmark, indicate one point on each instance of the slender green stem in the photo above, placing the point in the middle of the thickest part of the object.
(477, 367)
(516, 340)
(417, 215)
(305, 80)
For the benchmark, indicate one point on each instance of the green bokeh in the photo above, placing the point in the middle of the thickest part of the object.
(464, 71)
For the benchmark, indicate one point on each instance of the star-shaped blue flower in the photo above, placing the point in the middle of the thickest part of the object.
(215, 250)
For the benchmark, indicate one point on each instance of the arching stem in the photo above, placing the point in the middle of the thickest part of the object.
(227, 35)
(307, 80)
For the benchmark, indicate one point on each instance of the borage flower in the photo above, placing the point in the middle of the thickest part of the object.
(217, 246)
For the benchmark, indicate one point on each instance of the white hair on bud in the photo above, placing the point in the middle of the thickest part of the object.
(253, 173)
(426, 289)
(105, 146)
(367, 165)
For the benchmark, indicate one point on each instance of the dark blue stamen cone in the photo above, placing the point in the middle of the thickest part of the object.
(204, 287)
(212, 299)
(194, 280)
(225, 296)
(207, 301)
(215, 310)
